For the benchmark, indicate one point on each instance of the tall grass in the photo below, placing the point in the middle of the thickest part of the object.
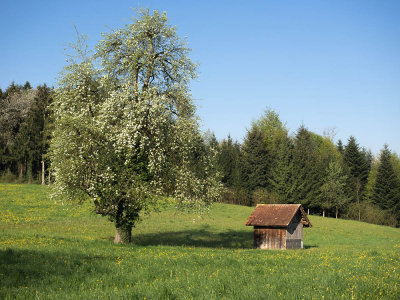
(49, 250)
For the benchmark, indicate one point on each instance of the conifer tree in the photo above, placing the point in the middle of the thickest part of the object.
(282, 174)
(27, 86)
(357, 160)
(45, 117)
(387, 184)
(358, 164)
(340, 146)
(306, 178)
(229, 162)
(255, 160)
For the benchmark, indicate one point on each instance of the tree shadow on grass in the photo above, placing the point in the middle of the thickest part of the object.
(197, 238)
(41, 269)
(232, 239)
(310, 246)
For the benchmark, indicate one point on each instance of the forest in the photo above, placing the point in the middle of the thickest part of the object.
(271, 165)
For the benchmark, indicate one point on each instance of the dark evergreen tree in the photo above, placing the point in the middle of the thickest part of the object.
(340, 146)
(387, 185)
(12, 88)
(27, 86)
(2, 141)
(358, 161)
(35, 132)
(306, 177)
(281, 175)
(229, 162)
(358, 165)
(45, 119)
(367, 158)
(256, 160)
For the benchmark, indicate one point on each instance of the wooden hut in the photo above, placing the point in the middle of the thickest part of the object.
(278, 226)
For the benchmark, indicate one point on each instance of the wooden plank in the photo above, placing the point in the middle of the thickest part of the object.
(269, 238)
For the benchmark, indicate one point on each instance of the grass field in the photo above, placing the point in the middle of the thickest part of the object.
(54, 251)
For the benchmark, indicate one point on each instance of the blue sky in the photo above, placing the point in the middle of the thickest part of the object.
(324, 64)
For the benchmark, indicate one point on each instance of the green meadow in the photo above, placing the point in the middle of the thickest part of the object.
(52, 250)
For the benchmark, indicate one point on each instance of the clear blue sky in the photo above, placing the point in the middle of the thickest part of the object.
(324, 64)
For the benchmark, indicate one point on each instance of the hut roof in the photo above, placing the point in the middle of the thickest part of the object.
(276, 215)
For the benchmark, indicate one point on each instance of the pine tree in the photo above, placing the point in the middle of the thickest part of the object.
(306, 174)
(340, 146)
(281, 175)
(387, 184)
(27, 86)
(358, 164)
(255, 160)
(358, 161)
(229, 162)
(45, 118)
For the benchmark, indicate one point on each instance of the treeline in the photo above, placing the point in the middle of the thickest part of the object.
(270, 166)
(342, 180)
(25, 128)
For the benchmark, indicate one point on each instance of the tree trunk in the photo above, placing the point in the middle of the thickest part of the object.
(21, 170)
(358, 187)
(43, 183)
(123, 235)
(308, 211)
(337, 212)
(29, 171)
(323, 213)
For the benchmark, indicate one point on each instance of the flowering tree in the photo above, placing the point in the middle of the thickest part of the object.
(127, 130)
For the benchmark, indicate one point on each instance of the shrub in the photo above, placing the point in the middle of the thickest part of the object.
(8, 177)
(236, 196)
(371, 213)
(263, 196)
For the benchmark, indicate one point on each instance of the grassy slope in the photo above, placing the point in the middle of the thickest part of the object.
(49, 250)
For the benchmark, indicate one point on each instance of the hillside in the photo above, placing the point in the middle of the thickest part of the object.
(51, 250)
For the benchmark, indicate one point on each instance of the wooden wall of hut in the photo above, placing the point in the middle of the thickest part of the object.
(269, 238)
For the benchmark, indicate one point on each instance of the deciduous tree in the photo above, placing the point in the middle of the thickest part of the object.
(333, 191)
(128, 130)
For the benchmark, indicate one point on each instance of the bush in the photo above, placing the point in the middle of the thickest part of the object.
(236, 196)
(371, 213)
(8, 177)
(263, 196)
